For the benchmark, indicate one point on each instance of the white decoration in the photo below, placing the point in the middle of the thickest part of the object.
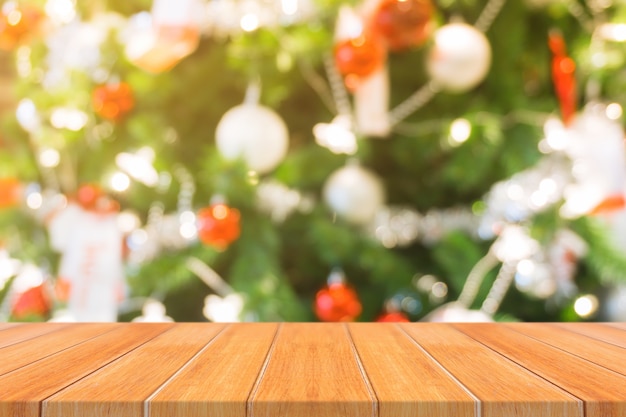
(354, 193)
(460, 58)
(371, 104)
(256, 134)
(91, 248)
(223, 310)
(153, 311)
(456, 313)
(337, 135)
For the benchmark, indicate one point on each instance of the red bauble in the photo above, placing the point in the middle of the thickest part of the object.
(92, 198)
(10, 192)
(359, 57)
(218, 225)
(393, 317)
(32, 302)
(404, 23)
(17, 24)
(563, 76)
(337, 302)
(113, 101)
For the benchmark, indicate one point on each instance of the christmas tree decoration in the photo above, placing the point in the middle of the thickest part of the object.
(393, 317)
(404, 23)
(90, 244)
(153, 311)
(354, 193)
(223, 310)
(337, 301)
(10, 192)
(161, 39)
(113, 101)
(218, 225)
(32, 303)
(18, 24)
(460, 57)
(359, 57)
(563, 76)
(255, 134)
(337, 136)
(457, 313)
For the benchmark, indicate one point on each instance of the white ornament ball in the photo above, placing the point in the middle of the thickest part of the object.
(354, 193)
(460, 58)
(256, 134)
(456, 313)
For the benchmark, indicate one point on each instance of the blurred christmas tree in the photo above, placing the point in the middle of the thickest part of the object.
(302, 160)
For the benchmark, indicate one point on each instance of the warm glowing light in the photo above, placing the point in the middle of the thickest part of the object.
(120, 182)
(614, 111)
(49, 158)
(586, 305)
(460, 131)
(34, 200)
(249, 22)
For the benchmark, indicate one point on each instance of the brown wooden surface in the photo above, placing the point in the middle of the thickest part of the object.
(313, 370)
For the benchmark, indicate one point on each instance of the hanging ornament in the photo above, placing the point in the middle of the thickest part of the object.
(393, 317)
(92, 197)
(10, 192)
(358, 58)
(595, 144)
(358, 52)
(455, 312)
(563, 76)
(460, 57)
(255, 133)
(354, 193)
(18, 23)
(113, 101)
(226, 309)
(153, 311)
(90, 242)
(32, 303)
(337, 301)
(218, 225)
(161, 39)
(404, 23)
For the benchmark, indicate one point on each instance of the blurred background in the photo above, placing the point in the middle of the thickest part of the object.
(305, 160)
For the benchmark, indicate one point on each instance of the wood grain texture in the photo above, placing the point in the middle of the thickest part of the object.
(407, 382)
(606, 332)
(28, 351)
(503, 387)
(601, 353)
(313, 371)
(603, 391)
(219, 380)
(23, 390)
(21, 332)
(4, 326)
(120, 388)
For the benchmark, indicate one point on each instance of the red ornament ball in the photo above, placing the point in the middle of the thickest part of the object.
(113, 101)
(393, 317)
(18, 24)
(359, 57)
(337, 302)
(10, 192)
(404, 23)
(91, 197)
(33, 302)
(218, 225)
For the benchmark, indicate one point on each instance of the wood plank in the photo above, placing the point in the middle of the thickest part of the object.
(23, 390)
(503, 387)
(4, 326)
(606, 333)
(21, 332)
(218, 381)
(20, 354)
(312, 371)
(120, 388)
(604, 354)
(407, 382)
(603, 391)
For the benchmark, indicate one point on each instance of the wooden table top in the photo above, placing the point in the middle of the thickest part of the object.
(312, 370)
